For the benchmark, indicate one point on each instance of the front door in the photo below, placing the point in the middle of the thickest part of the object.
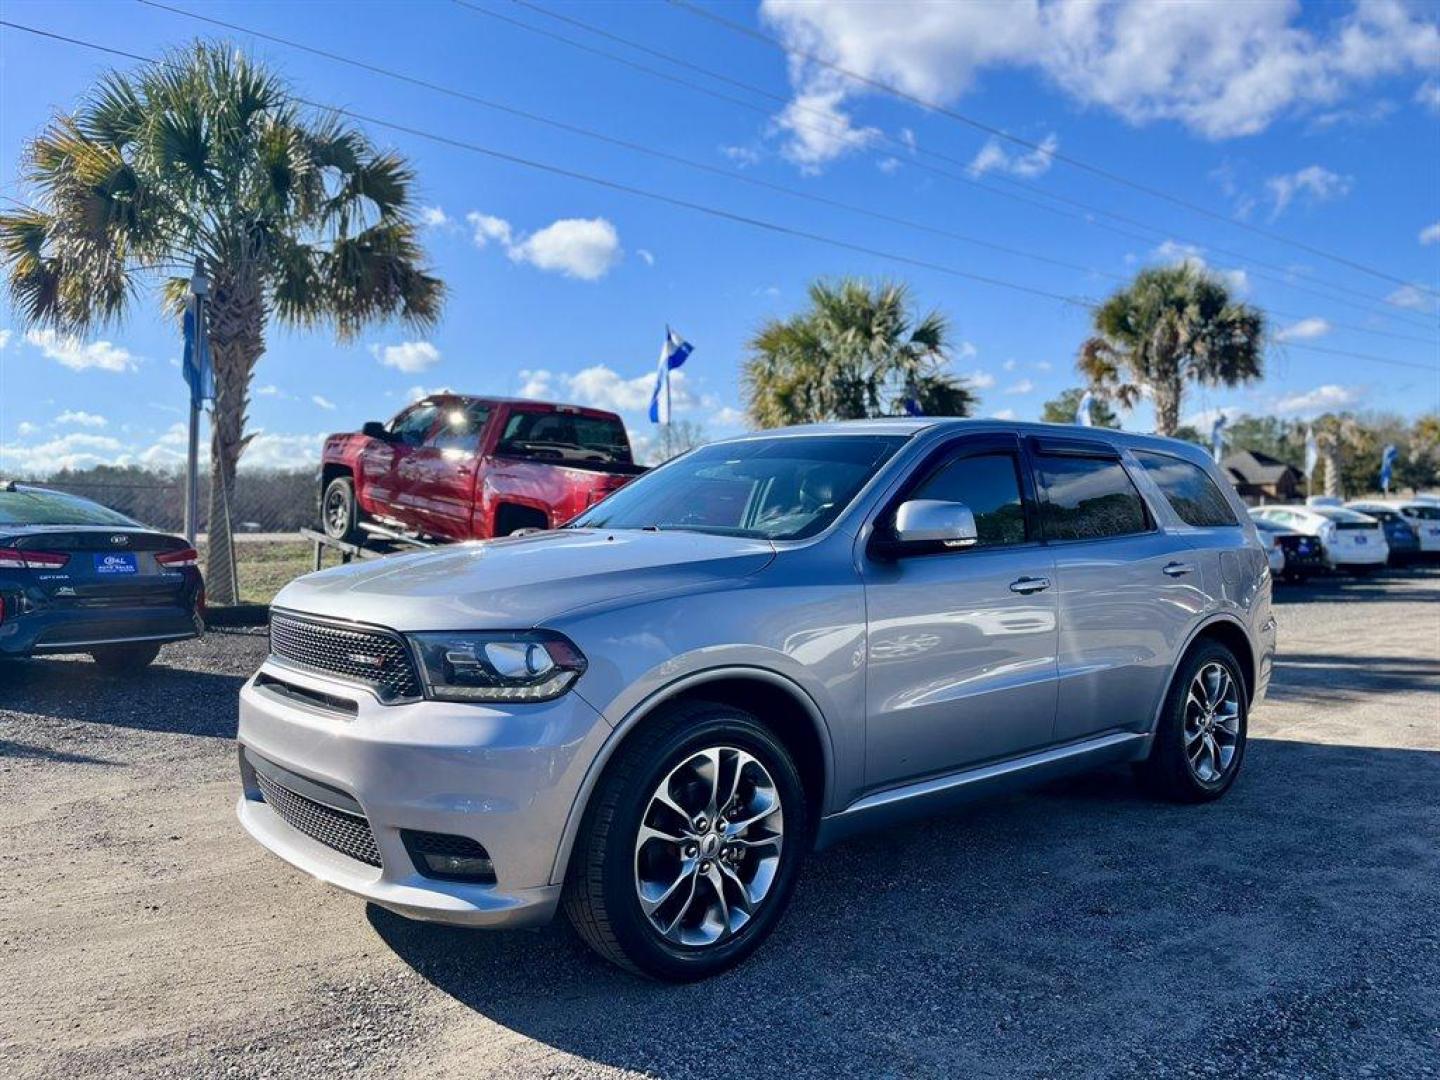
(961, 642)
(445, 467)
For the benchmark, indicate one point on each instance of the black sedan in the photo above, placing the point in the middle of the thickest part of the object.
(78, 577)
(1299, 555)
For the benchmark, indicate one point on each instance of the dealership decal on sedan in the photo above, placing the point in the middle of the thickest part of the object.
(113, 563)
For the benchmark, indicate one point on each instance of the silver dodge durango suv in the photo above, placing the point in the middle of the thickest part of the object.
(652, 715)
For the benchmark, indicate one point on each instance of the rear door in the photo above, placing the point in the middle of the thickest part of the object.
(960, 655)
(1128, 591)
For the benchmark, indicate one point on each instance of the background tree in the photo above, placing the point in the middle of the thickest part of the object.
(1283, 440)
(205, 157)
(858, 351)
(1170, 326)
(1062, 408)
(1339, 439)
(676, 438)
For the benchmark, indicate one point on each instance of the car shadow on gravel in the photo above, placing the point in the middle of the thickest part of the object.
(159, 698)
(1330, 677)
(1082, 929)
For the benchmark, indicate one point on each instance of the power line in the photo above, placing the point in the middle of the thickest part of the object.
(691, 163)
(654, 196)
(1284, 276)
(1000, 133)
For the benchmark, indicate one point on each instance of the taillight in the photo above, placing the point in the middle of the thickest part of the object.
(16, 559)
(183, 557)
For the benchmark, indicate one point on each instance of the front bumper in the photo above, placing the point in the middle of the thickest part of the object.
(506, 778)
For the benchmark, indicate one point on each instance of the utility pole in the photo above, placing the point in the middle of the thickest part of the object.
(199, 288)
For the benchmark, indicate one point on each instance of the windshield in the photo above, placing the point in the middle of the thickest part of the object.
(1339, 514)
(36, 507)
(564, 436)
(783, 488)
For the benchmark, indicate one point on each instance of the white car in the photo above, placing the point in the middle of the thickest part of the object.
(1421, 515)
(1350, 539)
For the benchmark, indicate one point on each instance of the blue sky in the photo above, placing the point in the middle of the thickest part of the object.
(1319, 124)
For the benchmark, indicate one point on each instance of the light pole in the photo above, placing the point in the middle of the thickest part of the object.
(199, 288)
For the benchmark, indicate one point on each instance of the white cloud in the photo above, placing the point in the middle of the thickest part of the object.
(603, 387)
(966, 350)
(1315, 182)
(434, 217)
(269, 390)
(26, 428)
(1008, 365)
(889, 166)
(1177, 254)
(322, 402)
(1003, 414)
(1430, 234)
(76, 355)
(1026, 164)
(1412, 297)
(584, 248)
(1304, 330)
(1043, 365)
(415, 393)
(648, 257)
(1221, 70)
(1024, 386)
(4, 338)
(274, 450)
(1428, 95)
(980, 380)
(410, 357)
(77, 450)
(728, 417)
(743, 156)
(81, 419)
(1321, 399)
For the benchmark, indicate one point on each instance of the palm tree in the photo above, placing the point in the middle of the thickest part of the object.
(1170, 326)
(206, 159)
(1338, 436)
(857, 352)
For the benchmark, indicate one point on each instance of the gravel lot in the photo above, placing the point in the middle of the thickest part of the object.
(1081, 930)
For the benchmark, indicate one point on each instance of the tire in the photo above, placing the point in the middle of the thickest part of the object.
(339, 516)
(1169, 772)
(602, 890)
(125, 659)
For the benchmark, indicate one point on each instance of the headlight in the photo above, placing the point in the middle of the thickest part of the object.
(498, 666)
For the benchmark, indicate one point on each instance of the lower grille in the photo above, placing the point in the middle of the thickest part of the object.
(348, 834)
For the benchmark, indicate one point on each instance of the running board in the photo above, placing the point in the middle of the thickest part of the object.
(937, 794)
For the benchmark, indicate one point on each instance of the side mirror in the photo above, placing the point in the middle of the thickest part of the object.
(933, 521)
(375, 430)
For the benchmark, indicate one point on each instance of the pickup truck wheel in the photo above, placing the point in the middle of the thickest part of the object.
(1200, 740)
(338, 513)
(691, 845)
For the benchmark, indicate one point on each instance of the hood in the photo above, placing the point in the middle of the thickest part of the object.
(519, 582)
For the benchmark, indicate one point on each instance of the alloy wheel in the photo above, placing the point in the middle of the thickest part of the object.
(1212, 722)
(708, 847)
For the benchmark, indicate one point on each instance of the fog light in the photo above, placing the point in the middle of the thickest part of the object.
(449, 857)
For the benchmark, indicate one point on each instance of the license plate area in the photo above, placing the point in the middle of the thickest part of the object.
(116, 563)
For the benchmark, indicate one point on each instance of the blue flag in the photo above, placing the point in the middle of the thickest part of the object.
(673, 353)
(199, 375)
(1387, 465)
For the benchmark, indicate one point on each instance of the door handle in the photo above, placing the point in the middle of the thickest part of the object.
(1178, 569)
(1029, 584)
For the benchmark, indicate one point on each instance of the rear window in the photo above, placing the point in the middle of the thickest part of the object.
(561, 436)
(30, 507)
(1423, 513)
(1190, 492)
(1088, 498)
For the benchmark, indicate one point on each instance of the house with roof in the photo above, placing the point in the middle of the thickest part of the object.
(1260, 478)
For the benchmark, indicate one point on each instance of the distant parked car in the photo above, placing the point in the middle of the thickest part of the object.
(1294, 556)
(1400, 536)
(1351, 541)
(76, 576)
(1421, 514)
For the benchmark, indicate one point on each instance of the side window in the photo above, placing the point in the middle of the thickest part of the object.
(1191, 493)
(1088, 498)
(411, 427)
(460, 428)
(989, 484)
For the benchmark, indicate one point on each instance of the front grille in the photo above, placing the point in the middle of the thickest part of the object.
(348, 834)
(374, 658)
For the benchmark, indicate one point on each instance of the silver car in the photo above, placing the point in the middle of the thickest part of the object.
(651, 716)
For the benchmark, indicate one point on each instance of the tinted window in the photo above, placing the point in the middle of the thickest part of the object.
(1192, 493)
(564, 436)
(1088, 498)
(412, 426)
(55, 508)
(1423, 513)
(778, 488)
(989, 484)
(461, 427)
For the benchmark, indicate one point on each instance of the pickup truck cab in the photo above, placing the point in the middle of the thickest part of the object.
(456, 467)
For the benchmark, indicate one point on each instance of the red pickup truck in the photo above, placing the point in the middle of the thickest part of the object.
(455, 467)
